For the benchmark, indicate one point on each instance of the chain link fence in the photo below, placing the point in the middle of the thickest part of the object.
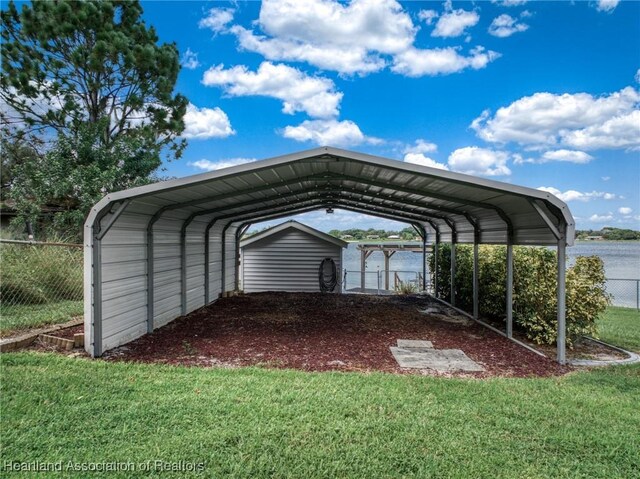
(40, 283)
(624, 292)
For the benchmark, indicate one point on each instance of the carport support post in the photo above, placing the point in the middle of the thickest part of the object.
(207, 259)
(509, 301)
(476, 279)
(453, 269)
(562, 264)
(387, 257)
(364, 254)
(242, 229)
(436, 246)
(424, 260)
(97, 296)
(223, 260)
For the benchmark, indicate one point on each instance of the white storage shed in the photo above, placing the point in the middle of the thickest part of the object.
(287, 257)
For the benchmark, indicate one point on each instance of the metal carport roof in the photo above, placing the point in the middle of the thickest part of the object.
(139, 236)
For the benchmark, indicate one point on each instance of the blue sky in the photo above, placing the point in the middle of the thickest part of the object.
(541, 94)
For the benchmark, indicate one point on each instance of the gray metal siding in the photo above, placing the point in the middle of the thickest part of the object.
(124, 280)
(286, 261)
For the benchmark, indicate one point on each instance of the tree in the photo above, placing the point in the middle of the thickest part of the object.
(15, 151)
(72, 69)
(73, 175)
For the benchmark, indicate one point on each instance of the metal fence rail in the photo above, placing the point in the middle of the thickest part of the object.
(40, 282)
(624, 292)
(375, 281)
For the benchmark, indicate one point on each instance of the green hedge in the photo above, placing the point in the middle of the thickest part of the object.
(534, 289)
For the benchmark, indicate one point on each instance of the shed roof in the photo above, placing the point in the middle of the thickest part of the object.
(451, 205)
(291, 224)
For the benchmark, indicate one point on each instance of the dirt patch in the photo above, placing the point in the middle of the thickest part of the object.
(315, 332)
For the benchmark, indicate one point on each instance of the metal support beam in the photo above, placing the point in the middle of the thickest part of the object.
(183, 264)
(436, 267)
(207, 260)
(387, 257)
(114, 217)
(509, 299)
(242, 229)
(476, 281)
(223, 263)
(556, 232)
(453, 268)
(363, 266)
(562, 264)
(424, 259)
(96, 278)
(97, 296)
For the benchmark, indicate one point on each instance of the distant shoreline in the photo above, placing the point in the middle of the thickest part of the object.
(420, 242)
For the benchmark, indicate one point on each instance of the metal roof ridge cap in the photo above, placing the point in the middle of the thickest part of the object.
(296, 225)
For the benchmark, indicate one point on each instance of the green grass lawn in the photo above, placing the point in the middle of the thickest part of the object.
(253, 422)
(621, 327)
(19, 317)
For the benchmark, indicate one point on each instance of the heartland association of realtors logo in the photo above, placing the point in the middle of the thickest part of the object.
(60, 466)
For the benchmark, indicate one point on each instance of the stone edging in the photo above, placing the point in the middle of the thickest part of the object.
(631, 359)
(26, 339)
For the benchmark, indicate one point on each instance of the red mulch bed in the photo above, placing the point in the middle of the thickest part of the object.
(316, 332)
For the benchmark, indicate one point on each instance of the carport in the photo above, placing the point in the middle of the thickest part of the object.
(158, 252)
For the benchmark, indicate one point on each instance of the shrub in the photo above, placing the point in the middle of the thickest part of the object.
(534, 289)
(406, 287)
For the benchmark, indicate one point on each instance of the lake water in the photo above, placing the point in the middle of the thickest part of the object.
(621, 261)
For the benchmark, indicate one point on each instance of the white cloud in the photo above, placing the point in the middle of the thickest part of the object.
(576, 120)
(473, 160)
(595, 218)
(510, 3)
(625, 210)
(606, 178)
(298, 91)
(427, 16)
(453, 23)
(637, 76)
(332, 36)
(203, 123)
(571, 156)
(421, 146)
(359, 37)
(505, 25)
(420, 159)
(573, 195)
(217, 19)
(329, 132)
(208, 165)
(440, 61)
(618, 132)
(607, 5)
(190, 60)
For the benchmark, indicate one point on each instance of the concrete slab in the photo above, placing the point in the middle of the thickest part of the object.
(442, 360)
(414, 343)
